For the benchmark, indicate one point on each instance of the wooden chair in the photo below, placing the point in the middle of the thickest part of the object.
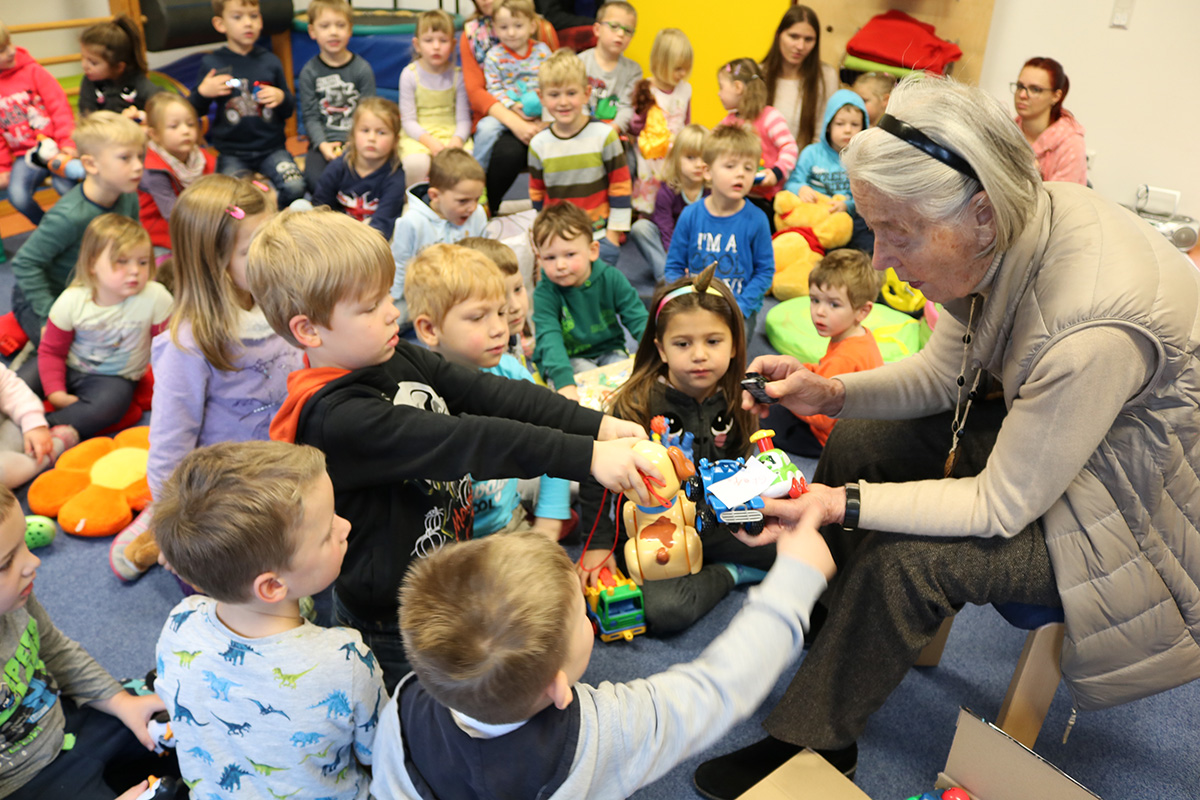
(1036, 676)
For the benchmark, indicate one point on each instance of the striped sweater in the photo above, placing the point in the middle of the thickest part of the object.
(588, 169)
(779, 148)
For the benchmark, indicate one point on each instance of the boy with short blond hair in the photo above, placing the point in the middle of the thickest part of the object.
(247, 84)
(43, 669)
(520, 331)
(252, 526)
(403, 430)
(725, 228)
(499, 640)
(443, 209)
(110, 149)
(330, 85)
(611, 76)
(577, 307)
(460, 307)
(841, 292)
(577, 160)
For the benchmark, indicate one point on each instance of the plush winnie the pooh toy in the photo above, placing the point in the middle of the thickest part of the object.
(795, 255)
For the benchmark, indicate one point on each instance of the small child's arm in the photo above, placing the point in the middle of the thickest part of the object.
(537, 181)
(762, 268)
(620, 185)
(181, 378)
(52, 363)
(494, 82)
(547, 312)
(785, 144)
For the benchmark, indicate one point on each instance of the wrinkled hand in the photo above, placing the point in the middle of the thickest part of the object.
(39, 443)
(613, 428)
(799, 390)
(214, 84)
(820, 505)
(135, 712)
(616, 467)
(593, 562)
(803, 542)
(269, 96)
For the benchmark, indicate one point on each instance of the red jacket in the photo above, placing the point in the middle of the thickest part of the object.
(31, 102)
(153, 219)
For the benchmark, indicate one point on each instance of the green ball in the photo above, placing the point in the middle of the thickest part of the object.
(39, 531)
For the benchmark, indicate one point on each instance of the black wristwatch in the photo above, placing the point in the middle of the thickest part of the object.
(853, 505)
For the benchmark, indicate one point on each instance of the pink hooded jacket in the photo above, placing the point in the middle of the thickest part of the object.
(31, 102)
(1060, 150)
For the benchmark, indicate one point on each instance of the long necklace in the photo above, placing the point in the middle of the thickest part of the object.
(961, 408)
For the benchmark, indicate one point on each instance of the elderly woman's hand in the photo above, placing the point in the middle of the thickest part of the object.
(820, 505)
(799, 390)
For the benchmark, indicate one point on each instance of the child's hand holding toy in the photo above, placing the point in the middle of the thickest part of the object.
(613, 428)
(618, 468)
(269, 96)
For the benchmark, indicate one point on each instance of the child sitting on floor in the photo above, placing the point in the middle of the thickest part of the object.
(433, 98)
(253, 525)
(841, 291)
(499, 638)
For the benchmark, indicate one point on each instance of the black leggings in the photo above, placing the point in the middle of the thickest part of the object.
(510, 158)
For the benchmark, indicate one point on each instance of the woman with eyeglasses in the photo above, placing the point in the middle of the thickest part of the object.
(1053, 132)
(1041, 449)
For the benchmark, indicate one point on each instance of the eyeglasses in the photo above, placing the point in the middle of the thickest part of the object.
(1032, 91)
(617, 27)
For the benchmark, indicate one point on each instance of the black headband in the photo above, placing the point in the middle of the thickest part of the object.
(902, 130)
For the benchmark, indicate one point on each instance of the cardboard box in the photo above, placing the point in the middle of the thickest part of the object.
(991, 765)
(806, 775)
(984, 761)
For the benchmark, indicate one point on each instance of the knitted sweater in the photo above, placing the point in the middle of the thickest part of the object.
(587, 169)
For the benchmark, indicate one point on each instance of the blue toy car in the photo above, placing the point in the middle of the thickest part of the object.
(709, 508)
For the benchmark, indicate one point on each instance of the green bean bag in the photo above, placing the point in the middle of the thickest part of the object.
(790, 331)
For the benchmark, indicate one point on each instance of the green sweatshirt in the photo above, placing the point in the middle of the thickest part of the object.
(44, 264)
(581, 321)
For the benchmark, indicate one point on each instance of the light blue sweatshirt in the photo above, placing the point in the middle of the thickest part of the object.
(820, 166)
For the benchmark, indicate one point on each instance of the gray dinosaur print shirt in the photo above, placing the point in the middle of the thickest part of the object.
(278, 716)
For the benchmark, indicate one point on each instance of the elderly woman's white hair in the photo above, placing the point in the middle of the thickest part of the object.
(970, 123)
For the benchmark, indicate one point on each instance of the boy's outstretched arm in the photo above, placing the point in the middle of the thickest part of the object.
(134, 711)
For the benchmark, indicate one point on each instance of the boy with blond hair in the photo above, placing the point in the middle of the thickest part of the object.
(520, 331)
(841, 292)
(247, 84)
(725, 228)
(460, 313)
(330, 85)
(252, 526)
(52, 684)
(443, 209)
(611, 76)
(403, 430)
(577, 307)
(499, 639)
(577, 160)
(110, 149)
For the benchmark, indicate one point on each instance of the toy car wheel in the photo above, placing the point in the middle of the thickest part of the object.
(753, 528)
(233, 116)
(693, 489)
(705, 519)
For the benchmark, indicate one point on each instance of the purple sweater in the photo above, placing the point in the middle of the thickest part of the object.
(196, 404)
(668, 205)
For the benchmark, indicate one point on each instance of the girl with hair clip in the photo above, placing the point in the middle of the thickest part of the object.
(798, 82)
(744, 95)
(688, 368)
(662, 106)
(220, 374)
(366, 181)
(682, 184)
(174, 161)
(114, 69)
(1053, 132)
(433, 97)
(96, 344)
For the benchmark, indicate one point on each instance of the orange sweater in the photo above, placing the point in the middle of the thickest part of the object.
(855, 354)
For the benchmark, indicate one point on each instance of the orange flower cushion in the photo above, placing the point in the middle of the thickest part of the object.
(96, 486)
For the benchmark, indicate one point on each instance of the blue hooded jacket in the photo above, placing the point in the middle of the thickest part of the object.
(820, 166)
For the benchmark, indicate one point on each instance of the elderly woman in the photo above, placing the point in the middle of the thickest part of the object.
(1080, 490)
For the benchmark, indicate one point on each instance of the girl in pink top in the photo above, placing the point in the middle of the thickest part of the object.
(744, 95)
(27, 445)
(1053, 132)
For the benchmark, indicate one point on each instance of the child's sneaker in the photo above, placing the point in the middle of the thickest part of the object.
(121, 566)
(41, 154)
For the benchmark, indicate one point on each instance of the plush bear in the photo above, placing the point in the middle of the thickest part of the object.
(797, 254)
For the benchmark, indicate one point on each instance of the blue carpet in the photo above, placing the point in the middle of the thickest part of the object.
(1146, 749)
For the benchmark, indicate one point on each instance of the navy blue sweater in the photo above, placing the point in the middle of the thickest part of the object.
(243, 125)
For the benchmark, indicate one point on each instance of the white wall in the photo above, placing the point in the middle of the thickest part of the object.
(1133, 90)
